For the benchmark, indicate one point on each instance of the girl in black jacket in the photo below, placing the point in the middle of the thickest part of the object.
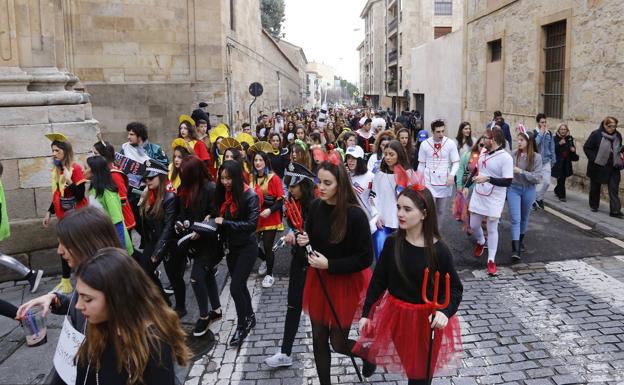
(565, 152)
(159, 209)
(196, 194)
(238, 217)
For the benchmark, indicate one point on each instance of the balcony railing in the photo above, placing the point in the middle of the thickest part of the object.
(392, 24)
(392, 56)
(392, 87)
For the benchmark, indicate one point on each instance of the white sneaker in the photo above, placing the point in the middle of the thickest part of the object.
(268, 281)
(279, 359)
(262, 269)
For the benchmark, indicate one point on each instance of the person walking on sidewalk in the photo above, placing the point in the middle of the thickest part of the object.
(300, 182)
(68, 192)
(565, 152)
(604, 164)
(527, 173)
(133, 336)
(238, 212)
(495, 174)
(545, 142)
(337, 230)
(395, 321)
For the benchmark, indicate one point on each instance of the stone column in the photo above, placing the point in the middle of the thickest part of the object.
(37, 96)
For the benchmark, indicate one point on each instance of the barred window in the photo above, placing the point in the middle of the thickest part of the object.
(443, 7)
(554, 68)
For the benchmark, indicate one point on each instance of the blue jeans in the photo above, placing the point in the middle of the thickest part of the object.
(519, 199)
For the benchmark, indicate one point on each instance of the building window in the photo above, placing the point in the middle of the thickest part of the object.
(441, 31)
(400, 78)
(443, 7)
(232, 18)
(495, 50)
(554, 68)
(401, 44)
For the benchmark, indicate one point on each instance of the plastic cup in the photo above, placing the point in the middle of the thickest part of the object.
(34, 326)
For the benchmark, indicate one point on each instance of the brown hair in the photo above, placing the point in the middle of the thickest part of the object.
(530, 150)
(139, 319)
(345, 199)
(189, 127)
(154, 210)
(84, 231)
(609, 119)
(68, 152)
(423, 200)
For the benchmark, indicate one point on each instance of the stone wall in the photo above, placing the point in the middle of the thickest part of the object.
(594, 65)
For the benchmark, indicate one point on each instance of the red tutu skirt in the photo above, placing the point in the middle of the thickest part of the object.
(346, 291)
(398, 339)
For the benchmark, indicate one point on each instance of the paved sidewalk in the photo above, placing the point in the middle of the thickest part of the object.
(577, 207)
(556, 323)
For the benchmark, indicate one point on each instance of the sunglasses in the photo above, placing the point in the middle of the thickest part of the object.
(150, 177)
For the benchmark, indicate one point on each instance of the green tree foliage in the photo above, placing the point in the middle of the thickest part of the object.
(272, 16)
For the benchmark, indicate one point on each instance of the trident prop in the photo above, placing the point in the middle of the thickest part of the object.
(293, 214)
(434, 306)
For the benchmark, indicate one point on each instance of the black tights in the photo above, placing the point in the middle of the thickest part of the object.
(7, 309)
(204, 286)
(174, 267)
(268, 237)
(240, 262)
(296, 283)
(321, 336)
(416, 382)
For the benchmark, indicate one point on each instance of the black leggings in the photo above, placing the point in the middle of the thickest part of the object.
(204, 286)
(268, 237)
(65, 269)
(174, 267)
(296, 283)
(7, 309)
(240, 261)
(416, 382)
(321, 335)
(150, 267)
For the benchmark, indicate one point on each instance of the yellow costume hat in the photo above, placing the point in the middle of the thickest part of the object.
(220, 130)
(229, 143)
(244, 137)
(56, 136)
(261, 147)
(186, 118)
(179, 142)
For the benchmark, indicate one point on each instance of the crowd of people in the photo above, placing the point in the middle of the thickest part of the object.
(356, 194)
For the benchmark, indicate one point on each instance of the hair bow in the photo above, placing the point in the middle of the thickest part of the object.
(403, 179)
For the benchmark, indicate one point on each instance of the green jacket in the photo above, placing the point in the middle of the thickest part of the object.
(4, 218)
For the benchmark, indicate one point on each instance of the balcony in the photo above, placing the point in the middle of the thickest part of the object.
(392, 25)
(392, 86)
(392, 56)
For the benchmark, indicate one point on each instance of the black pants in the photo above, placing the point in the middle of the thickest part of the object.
(240, 261)
(7, 309)
(296, 283)
(267, 255)
(174, 267)
(560, 188)
(204, 286)
(614, 199)
(145, 260)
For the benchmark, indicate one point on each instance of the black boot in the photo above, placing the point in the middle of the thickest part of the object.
(515, 254)
(239, 336)
(368, 368)
(522, 249)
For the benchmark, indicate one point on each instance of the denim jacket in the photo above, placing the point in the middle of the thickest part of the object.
(546, 146)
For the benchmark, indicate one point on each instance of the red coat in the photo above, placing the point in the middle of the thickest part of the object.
(271, 186)
(121, 181)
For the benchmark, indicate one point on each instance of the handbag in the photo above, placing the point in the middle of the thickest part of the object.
(574, 157)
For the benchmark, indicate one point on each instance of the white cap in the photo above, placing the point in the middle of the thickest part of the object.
(355, 151)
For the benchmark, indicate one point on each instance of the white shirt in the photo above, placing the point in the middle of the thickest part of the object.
(373, 163)
(487, 199)
(438, 161)
(362, 185)
(384, 186)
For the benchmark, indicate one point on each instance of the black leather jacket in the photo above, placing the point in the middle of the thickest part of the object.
(241, 230)
(206, 244)
(159, 234)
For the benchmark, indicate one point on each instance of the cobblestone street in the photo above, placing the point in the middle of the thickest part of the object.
(554, 323)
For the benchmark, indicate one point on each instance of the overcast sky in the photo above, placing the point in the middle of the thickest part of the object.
(325, 31)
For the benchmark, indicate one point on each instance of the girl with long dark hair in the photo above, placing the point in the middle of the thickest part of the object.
(464, 138)
(270, 192)
(238, 211)
(179, 154)
(159, 209)
(381, 141)
(196, 195)
(521, 194)
(133, 336)
(103, 195)
(394, 331)
(337, 230)
(186, 131)
(405, 137)
(68, 192)
(384, 190)
(301, 189)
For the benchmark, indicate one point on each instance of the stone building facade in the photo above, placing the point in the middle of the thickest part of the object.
(372, 78)
(66, 63)
(563, 58)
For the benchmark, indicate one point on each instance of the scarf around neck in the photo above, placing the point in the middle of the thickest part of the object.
(609, 145)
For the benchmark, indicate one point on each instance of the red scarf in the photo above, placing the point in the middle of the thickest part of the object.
(151, 197)
(229, 202)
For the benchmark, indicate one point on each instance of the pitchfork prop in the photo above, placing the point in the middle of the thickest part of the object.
(293, 214)
(434, 306)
